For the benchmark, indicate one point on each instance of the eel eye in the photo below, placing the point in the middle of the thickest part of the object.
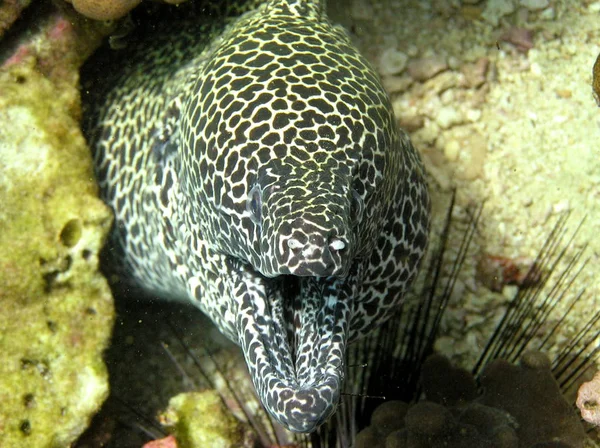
(357, 207)
(254, 204)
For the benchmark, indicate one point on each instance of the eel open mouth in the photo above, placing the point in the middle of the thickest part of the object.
(298, 374)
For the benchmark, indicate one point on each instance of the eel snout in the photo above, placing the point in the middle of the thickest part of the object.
(298, 378)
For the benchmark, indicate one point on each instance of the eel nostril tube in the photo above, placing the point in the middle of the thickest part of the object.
(337, 244)
(294, 244)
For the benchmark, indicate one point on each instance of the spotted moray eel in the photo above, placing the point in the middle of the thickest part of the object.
(255, 168)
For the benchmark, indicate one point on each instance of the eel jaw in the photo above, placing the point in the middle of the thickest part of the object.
(301, 391)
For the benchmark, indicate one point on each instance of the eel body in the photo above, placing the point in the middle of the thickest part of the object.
(255, 168)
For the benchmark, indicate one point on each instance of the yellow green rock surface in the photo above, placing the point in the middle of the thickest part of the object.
(200, 419)
(56, 309)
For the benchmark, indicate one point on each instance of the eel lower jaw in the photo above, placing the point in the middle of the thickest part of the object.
(300, 392)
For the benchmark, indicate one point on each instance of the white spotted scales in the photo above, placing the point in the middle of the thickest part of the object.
(261, 175)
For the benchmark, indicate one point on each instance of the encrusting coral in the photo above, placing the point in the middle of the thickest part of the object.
(104, 9)
(9, 12)
(521, 406)
(588, 400)
(109, 9)
(57, 310)
(201, 419)
(532, 396)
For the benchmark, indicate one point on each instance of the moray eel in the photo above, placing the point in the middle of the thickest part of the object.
(255, 168)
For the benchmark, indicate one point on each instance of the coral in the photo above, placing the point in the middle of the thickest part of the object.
(532, 396)
(428, 424)
(200, 419)
(104, 9)
(446, 384)
(389, 417)
(62, 42)
(57, 310)
(109, 9)
(521, 406)
(9, 12)
(588, 400)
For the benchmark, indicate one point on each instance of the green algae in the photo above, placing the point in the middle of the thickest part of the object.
(56, 309)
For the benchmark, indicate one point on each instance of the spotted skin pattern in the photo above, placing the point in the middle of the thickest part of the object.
(261, 174)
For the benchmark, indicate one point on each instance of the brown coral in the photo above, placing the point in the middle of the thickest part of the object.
(532, 396)
(104, 9)
(520, 406)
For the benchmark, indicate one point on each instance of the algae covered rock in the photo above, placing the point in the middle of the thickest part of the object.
(56, 310)
(9, 12)
(588, 400)
(200, 419)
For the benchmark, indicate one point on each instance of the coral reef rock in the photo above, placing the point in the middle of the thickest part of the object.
(588, 400)
(57, 311)
(9, 12)
(200, 419)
